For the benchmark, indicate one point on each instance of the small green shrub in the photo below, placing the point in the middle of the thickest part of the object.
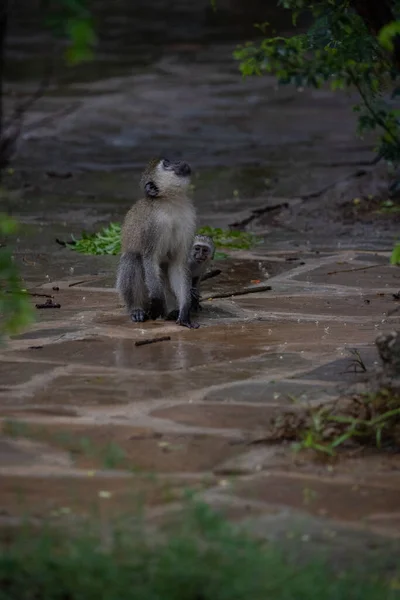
(203, 558)
(108, 240)
(16, 311)
(395, 257)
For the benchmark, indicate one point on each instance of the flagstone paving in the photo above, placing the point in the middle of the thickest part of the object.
(90, 418)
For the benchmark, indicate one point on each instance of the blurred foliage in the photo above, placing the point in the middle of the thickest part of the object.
(337, 49)
(71, 20)
(108, 240)
(15, 307)
(340, 50)
(395, 257)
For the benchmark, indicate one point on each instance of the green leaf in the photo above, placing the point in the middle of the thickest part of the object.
(395, 257)
(387, 33)
(7, 225)
(15, 307)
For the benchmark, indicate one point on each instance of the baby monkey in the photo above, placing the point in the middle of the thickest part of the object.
(201, 255)
(157, 236)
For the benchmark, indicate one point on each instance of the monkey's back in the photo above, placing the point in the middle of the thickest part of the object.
(134, 227)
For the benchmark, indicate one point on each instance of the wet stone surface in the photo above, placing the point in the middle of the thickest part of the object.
(18, 373)
(89, 401)
(89, 413)
(270, 392)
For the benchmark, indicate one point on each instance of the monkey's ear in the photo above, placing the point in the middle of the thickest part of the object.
(151, 190)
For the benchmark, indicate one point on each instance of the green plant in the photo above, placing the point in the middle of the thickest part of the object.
(108, 240)
(340, 49)
(71, 20)
(16, 311)
(357, 363)
(228, 238)
(395, 257)
(367, 419)
(202, 557)
(105, 241)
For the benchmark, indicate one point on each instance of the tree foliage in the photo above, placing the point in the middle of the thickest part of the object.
(15, 306)
(70, 20)
(73, 21)
(350, 45)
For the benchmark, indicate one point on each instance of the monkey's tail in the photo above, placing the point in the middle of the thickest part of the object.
(130, 280)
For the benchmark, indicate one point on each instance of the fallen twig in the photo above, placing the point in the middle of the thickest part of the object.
(23, 107)
(352, 270)
(74, 283)
(48, 304)
(393, 311)
(33, 294)
(319, 193)
(36, 295)
(257, 212)
(355, 163)
(11, 130)
(59, 175)
(163, 338)
(260, 288)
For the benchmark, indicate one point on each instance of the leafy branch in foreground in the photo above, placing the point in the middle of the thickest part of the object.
(16, 310)
(108, 240)
(339, 49)
(68, 20)
(202, 556)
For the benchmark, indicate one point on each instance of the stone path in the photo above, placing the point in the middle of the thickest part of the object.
(91, 419)
(88, 417)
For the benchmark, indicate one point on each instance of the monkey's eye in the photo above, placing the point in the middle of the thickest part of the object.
(166, 163)
(197, 248)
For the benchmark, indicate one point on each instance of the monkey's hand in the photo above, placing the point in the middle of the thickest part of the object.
(138, 315)
(157, 308)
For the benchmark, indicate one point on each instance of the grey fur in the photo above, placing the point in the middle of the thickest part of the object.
(201, 255)
(156, 240)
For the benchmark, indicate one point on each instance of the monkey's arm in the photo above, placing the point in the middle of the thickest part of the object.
(195, 294)
(180, 282)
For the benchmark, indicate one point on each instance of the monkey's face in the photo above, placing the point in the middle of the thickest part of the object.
(167, 178)
(201, 253)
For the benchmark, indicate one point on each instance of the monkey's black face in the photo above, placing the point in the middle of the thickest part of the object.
(201, 253)
(179, 168)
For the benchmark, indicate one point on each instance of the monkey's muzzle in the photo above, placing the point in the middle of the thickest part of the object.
(182, 169)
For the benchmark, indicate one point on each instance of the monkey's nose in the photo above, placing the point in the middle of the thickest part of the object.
(184, 169)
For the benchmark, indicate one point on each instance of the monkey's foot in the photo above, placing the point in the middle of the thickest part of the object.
(157, 308)
(189, 324)
(138, 315)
